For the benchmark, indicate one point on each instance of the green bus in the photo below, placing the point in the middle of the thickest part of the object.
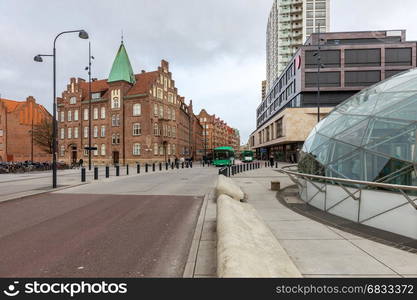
(247, 156)
(223, 156)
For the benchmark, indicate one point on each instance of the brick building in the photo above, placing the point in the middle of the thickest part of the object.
(17, 120)
(134, 117)
(217, 133)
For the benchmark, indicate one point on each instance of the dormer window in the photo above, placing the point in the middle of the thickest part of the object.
(95, 95)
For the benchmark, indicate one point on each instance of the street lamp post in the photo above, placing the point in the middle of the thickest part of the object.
(90, 57)
(38, 58)
(318, 73)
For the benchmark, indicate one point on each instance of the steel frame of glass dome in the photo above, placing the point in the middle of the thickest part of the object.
(371, 136)
(365, 127)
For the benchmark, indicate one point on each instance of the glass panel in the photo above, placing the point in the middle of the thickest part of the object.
(388, 100)
(340, 149)
(401, 83)
(341, 124)
(382, 129)
(404, 176)
(350, 167)
(309, 165)
(405, 109)
(308, 142)
(362, 103)
(401, 145)
(332, 116)
(393, 81)
(354, 135)
(381, 168)
(318, 141)
(321, 152)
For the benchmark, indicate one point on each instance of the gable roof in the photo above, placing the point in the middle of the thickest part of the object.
(11, 105)
(143, 82)
(122, 69)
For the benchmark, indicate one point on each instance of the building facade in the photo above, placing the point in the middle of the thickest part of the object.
(349, 62)
(17, 122)
(134, 117)
(216, 132)
(290, 23)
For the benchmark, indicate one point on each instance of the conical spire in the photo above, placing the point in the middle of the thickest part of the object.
(122, 69)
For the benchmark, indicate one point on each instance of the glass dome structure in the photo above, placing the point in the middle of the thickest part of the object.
(372, 136)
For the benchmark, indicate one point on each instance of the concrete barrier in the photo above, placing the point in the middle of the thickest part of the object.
(246, 247)
(226, 186)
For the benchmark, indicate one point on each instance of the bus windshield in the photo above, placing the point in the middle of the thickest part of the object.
(222, 154)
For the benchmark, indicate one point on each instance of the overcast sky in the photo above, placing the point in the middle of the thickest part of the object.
(216, 48)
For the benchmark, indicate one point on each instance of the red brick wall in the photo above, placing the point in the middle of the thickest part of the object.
(17, 127)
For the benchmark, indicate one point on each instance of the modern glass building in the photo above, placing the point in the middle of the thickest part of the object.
(372, 136)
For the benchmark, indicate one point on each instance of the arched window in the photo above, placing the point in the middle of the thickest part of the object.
(103, 112)
(62, 152)
(115, 103)
(103, 149)
(137, 109)
(95, 113)
(155, 129)
(96, 151)
(155, 149)
(95, 131)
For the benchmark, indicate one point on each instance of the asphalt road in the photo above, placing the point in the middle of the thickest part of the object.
(102, 231)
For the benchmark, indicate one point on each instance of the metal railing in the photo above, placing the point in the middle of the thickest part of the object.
(344, 183)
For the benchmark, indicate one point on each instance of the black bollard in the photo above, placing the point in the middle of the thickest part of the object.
(146, 167)
(95, 173)
(117, 170)
(182, 165)
(166, 166)
(203, 163)
(160, 166)
(191, 164)
(107, 172)
(127, 169)
(172, 166)
(138, 168)
(153, 167)
(186, 164)
(177, 165)
(82, 174)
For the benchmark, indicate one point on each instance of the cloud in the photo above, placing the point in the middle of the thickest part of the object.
(216, 48)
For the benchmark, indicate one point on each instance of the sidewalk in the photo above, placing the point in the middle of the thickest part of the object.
(316, 249)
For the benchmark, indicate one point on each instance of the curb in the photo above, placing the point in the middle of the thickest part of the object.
(192, 255)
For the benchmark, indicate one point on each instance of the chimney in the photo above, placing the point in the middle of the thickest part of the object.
(143, 71)
(30, 99)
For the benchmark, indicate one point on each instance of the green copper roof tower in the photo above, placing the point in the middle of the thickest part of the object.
(122, 69)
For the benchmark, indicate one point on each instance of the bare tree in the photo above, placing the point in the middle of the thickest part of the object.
(42, 135)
